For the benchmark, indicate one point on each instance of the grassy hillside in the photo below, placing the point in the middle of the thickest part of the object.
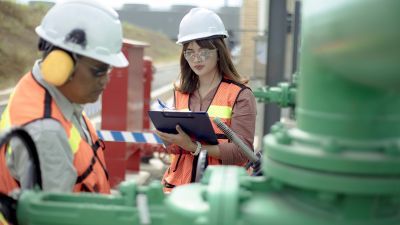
(18, 41)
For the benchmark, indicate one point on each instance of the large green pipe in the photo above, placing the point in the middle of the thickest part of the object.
(350, 70)
(358, 39)
(347, 138)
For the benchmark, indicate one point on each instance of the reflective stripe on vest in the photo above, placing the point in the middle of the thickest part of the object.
(7, 126)
(3, 220)
(74, 139)
(5, 122)
(223, 112)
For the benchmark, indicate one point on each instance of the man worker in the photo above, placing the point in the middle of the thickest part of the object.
(81, 41)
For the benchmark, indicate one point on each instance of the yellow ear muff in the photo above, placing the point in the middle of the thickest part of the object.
(57, 67)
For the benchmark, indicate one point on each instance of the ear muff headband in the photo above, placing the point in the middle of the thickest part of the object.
(57, 67)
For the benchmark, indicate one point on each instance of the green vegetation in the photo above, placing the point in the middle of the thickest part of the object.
(18, 41)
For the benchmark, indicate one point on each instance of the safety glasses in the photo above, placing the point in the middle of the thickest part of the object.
(202, 55)
(97, 71)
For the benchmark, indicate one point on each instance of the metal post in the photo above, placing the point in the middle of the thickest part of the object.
(277, 28)
(296, 33)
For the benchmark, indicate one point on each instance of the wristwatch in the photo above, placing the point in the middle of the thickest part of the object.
(198, 149)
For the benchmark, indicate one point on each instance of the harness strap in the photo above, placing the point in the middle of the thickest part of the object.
(47, 104)
(88, 170)
(95, 147)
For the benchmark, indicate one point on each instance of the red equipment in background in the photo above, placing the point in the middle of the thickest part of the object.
(123, 110)
(148, 78)
(146, 150)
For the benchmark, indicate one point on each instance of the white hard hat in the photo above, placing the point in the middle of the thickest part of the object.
(102, 31)
(200, 23)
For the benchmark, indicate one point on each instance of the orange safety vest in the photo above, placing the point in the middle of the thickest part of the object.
(3, 221)
(183, 166)
(30, 102)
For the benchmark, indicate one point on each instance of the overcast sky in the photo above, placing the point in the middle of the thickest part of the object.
(166, 3)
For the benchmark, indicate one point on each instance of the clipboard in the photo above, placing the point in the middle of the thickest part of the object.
(195, 124)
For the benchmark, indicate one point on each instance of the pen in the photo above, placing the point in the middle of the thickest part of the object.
(163, 104)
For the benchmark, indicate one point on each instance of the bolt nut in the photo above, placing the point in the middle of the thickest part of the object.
(283, 138)
(276, 127)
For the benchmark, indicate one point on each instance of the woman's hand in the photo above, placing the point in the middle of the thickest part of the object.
(181, 139)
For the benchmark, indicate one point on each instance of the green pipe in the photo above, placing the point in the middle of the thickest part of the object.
(356, 39)
(349, 71)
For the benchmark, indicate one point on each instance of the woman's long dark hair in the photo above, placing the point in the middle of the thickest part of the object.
(189, 81)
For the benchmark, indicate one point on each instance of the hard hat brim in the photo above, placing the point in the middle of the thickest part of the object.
(206, 35)
(117, 60)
